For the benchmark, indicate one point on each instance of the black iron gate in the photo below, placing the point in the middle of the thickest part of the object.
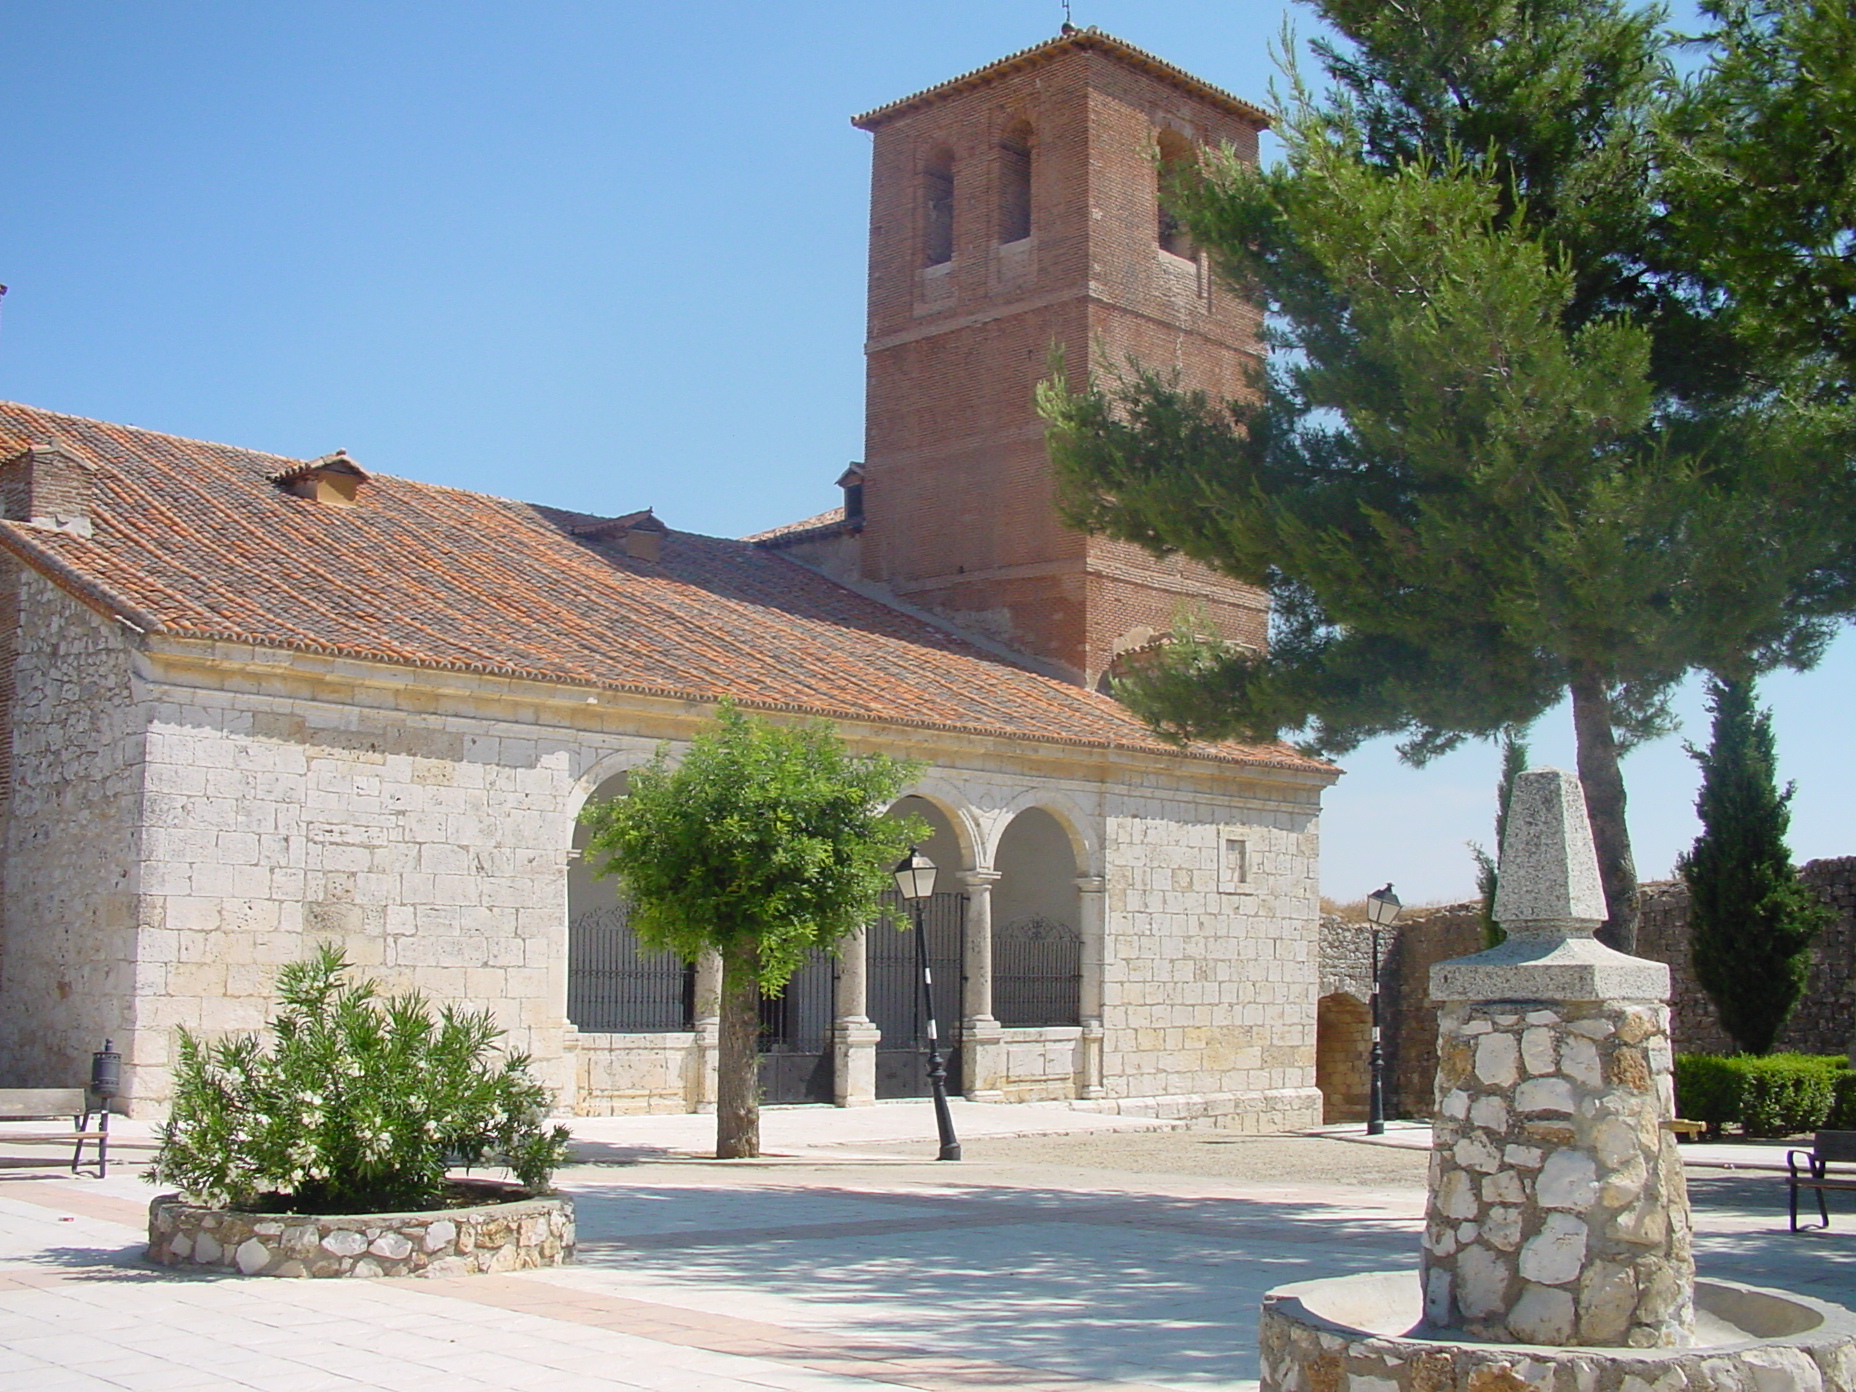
(615, 986)
(895, 986)
(795, 1035)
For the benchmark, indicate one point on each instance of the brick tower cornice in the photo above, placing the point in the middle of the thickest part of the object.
(1077, 40)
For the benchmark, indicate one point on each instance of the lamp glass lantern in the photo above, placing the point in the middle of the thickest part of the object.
(915, 875)
(1382, 907)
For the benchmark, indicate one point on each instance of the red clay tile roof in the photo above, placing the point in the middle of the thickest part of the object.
(817, 528)
(195, 540)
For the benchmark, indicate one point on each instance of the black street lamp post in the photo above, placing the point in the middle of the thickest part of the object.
(1382, 909)
(915, 880)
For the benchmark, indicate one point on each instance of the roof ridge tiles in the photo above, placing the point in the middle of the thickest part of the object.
(433, 576)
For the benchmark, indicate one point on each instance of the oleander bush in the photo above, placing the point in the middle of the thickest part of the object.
(360, 1105)
(1765, 1095)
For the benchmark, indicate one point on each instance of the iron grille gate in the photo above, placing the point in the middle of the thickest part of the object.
(895, 986)
(796, 1062)
(614, 986)
(1037, 973)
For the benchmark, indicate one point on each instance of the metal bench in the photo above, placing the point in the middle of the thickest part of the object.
(1830, 1148)
(90, 1124)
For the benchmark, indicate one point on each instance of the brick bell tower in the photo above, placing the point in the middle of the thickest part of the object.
(1014, 209)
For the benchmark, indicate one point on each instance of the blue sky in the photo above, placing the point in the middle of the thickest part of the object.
(600, 255)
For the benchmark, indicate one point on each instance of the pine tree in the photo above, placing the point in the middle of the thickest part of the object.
(1751, 921)
(1508, 457)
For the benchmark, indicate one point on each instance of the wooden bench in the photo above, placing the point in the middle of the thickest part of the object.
(1831, 1148)
(90, 1123)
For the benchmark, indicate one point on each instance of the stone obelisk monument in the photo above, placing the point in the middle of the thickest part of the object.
(1558, 1212)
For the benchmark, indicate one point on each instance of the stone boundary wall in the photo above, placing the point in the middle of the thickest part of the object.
(497, 1236)
(1823, 1023)
(1824, 1019)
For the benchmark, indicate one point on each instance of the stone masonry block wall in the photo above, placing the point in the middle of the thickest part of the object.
(1209, 981)
(623, 1074)
(71, 830)
(1040, 1064)
(432, 850)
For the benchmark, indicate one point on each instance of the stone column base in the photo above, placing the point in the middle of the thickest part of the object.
(854, 1041)
(1089, 1069)
(982, 1058)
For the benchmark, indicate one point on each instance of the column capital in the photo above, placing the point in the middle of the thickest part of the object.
(1091, 884)
(979, 879)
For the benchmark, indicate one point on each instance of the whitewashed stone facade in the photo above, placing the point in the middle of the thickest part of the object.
(188, 815)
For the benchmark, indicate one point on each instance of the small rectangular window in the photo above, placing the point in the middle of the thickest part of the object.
(1234, 865)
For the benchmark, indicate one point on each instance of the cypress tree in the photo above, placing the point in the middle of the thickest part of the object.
(1514, 760)
(1751, 922)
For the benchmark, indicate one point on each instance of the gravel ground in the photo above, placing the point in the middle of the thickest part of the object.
(1212, 1154)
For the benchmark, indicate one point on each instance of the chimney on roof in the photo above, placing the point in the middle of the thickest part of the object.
(852, 482)
(334, 479)
(47, 486)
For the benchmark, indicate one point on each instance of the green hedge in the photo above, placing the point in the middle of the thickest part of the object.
(1766, 1095)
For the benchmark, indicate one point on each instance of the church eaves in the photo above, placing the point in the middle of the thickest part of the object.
(434, 577)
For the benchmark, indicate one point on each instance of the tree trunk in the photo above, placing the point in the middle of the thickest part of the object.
(737, 1090)
(1603, 778)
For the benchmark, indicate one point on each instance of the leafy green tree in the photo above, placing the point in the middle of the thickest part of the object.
(1514, 760)
(761, 844)
(1751, 922)
(1501, 458)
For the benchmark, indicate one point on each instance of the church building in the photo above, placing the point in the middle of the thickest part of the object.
(249, 704)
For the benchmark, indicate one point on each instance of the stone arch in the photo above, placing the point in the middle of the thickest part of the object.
(1037, 928)
(614, 985)
(954, 846)
(1343, 1039)
(1082, 830)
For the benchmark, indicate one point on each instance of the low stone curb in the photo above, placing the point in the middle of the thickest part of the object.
(511, 1231)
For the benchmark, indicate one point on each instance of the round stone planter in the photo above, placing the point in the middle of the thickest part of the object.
(507, 1232)
(1361, 1334)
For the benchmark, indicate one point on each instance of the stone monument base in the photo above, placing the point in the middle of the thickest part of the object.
(1363, 1334)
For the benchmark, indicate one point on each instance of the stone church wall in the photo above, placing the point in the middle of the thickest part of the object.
(1211, 965)
(68, 974)
(228, 808)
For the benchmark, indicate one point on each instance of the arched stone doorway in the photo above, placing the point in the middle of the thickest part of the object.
(1343, 1039)
(1037, 941)
(893, 974)
(615, 986)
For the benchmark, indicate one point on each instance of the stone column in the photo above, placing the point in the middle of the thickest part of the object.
(982, 1038)
(1558, 1213)
(854, 1037)
(708, 1024)
(1092, 900)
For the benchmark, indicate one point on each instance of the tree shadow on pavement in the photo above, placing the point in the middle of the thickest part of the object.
(1099, 1285)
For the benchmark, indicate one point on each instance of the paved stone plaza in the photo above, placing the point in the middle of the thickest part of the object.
(1116, 1257)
